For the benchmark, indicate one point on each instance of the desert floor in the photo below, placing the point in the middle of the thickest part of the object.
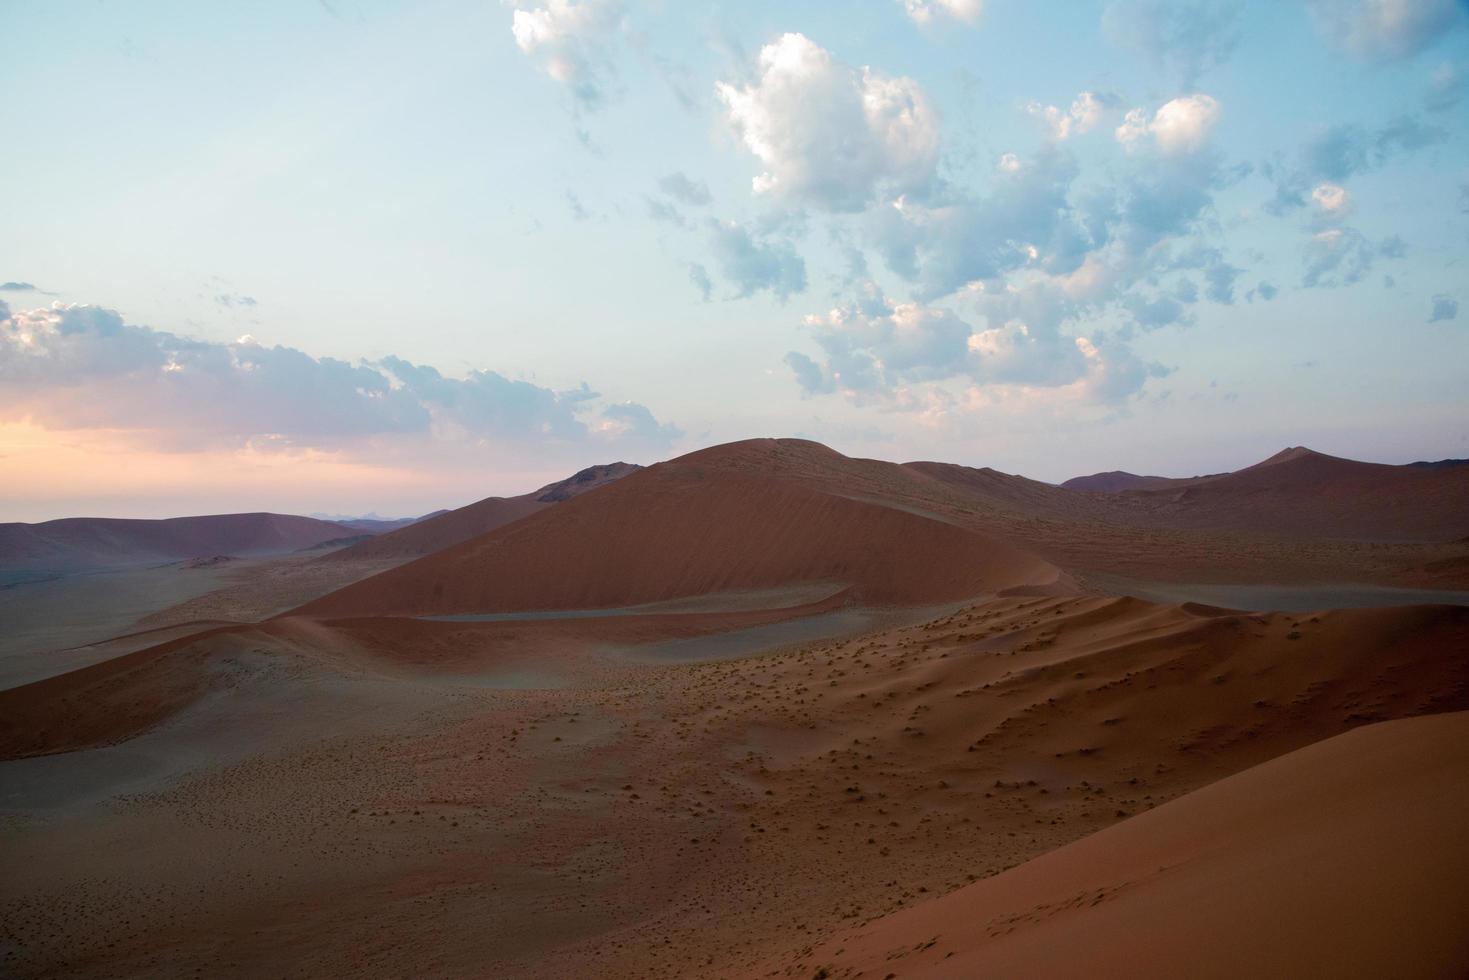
(640, 794)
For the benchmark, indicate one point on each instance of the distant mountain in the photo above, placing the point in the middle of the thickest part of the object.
(76, 543)
(446, 528)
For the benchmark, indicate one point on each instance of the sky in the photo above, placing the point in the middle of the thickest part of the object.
(350, 256)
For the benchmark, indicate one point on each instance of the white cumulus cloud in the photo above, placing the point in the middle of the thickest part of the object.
(830, 135)
(1085, 112)
(925, 11)
(1180, 126)
(568, 39)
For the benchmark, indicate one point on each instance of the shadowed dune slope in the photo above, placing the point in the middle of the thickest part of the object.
(89, 542)
(451, 527)
(686, 528)
(1346, 858)
(115, 700)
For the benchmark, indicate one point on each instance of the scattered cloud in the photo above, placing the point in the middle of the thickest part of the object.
(1026, 219)
(230, 300)
(754, 264)
(810, 376)
(685, 190)
(699, 276)
(876, 346)
(1331, 198)
(1086, 111)
(661, 210)
(831, 136)
(1444, 308)
(631, 422)
(1343, 256)
(1341, 151)
(1445, 87)
(1188, 37)
(895, 355)
(578, 210)
(1332, 203)
(569, 39)
(17, 287)
(1337, 153)
(1179, 126)
(1384, 30)
(927, 11)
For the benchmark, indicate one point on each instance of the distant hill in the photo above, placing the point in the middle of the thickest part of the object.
(1114, 481)
(1301, 491)
(378, 525)
(447, 528)
(75, 543)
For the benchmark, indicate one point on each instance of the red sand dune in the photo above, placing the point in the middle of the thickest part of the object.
(646, 817)
(674, 820)
(1299, 491)
(1347, 858)
(1114, 481)
(90, 542)
(690, 527)
(451, 527)
(767, 513)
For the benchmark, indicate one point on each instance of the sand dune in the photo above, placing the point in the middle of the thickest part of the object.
(685, 528)
(618, 816)
(1347, 858)
(440, 531)
(89, 542)
(764, 513)
(1113, 481)
(1301, 492)
(781, 711)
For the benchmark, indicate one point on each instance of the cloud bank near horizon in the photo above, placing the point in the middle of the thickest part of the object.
(79, 367)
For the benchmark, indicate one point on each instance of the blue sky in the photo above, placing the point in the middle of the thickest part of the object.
(347, 256)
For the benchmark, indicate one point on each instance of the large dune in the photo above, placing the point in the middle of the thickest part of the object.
(1347, 858)
(1300, 492)
(88, 542)
(690, 527)
(767, 513)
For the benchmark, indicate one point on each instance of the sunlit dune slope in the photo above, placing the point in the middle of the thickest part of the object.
(1346, 858)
